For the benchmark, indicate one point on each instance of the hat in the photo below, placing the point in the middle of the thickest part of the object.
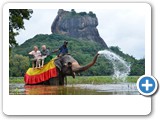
(66, 42)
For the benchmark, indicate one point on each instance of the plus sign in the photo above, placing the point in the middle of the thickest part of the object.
(147, 85)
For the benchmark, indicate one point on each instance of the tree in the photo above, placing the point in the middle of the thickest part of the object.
(18, 64)
(138, 67)
(73, 12)
(91, 14)
(82, 13)
(16, 22)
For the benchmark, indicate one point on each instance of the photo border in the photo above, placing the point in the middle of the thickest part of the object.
(71, 104)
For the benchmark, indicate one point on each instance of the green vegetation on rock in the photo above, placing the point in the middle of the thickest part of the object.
(74, 13)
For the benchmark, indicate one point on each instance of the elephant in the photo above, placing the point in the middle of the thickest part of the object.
(67, 66)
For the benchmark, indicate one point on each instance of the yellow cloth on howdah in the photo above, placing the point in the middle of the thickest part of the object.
(34, 76)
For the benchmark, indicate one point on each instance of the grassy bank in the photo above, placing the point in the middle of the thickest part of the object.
(85, 80)
(99, 80)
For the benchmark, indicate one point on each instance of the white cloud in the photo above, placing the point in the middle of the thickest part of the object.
(39, 23)
(118, 27)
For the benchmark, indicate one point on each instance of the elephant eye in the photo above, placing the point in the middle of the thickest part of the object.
(69, 63)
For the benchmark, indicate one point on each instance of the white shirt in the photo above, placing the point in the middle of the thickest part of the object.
(36, 54)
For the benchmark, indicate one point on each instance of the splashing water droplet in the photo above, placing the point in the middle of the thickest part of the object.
(120, 66)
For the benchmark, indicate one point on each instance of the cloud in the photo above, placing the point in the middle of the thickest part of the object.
(124, 28)
(39, 23)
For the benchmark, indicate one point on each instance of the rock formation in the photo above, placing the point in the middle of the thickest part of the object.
(78, 25)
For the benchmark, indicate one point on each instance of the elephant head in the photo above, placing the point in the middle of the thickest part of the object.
(70, 66)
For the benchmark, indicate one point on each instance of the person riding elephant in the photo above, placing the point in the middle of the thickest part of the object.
(61, 68)
(63, 50)
(44, 53)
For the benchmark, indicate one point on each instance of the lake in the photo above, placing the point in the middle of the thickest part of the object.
(74, 89)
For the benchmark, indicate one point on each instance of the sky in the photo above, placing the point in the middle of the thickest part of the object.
(124, 28)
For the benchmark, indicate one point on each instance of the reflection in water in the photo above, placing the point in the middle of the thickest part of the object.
(56, 90)
(40, 90)
(77, 89)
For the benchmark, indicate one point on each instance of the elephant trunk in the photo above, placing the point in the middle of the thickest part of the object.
(83, 68)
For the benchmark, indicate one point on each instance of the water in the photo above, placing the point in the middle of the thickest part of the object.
(74, 89)
(120, 66)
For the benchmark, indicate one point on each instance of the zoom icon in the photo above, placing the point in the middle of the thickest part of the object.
(147, 85)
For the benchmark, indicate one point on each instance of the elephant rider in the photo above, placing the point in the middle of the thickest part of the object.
(44, 53)
(63, 50)
(37, 56)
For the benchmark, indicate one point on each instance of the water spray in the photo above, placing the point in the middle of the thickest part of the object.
(120, 66)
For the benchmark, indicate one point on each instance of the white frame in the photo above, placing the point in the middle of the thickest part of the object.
(71, 104)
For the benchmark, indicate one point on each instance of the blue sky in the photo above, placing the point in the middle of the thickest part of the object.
(124, 28)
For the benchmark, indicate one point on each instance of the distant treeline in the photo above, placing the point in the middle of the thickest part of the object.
(82, 50)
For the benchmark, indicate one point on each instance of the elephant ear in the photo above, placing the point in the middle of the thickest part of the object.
(58, 64)
(64, 60)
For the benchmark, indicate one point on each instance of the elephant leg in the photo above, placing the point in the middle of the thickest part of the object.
(61, 80)
(60, 77)
(52, 81)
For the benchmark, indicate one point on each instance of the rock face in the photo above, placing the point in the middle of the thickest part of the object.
(77, 25)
